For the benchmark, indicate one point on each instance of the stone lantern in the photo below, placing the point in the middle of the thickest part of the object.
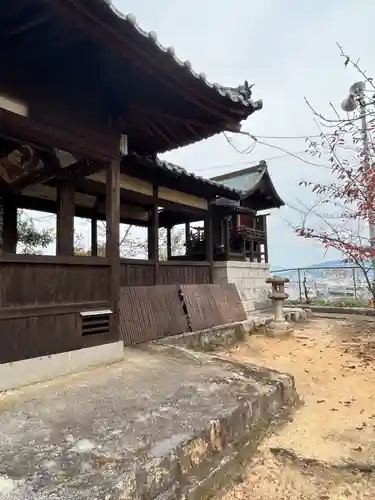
(278, 325)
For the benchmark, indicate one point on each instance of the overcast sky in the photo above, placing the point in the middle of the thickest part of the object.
(288, 49)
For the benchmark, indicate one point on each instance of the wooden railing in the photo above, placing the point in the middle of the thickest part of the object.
(143, 273)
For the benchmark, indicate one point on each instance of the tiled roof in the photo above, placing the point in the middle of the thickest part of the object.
(241, 94)
(171, 168)
(182, 171)
(245, 180)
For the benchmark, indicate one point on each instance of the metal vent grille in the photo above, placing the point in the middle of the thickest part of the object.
(95, 322)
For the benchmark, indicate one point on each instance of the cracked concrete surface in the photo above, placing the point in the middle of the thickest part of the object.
(158, 425)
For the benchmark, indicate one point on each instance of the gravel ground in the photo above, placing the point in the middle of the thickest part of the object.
(328, 451)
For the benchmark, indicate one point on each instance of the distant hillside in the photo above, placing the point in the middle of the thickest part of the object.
(322, 265)
(332, 263)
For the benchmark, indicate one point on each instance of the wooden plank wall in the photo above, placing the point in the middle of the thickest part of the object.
(140, 273)
(40, 302)
(194, 273)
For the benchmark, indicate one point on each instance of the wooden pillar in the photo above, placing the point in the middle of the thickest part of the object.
(226, 239)
(208, 236)
(65, 219)
(244, 249)
(94, 236)
(113, 239)
(153, 235)
(1, 226)
(169, 243)
(187, 232)
(10, 233)
(266, 239)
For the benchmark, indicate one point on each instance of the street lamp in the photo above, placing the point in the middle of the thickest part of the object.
(355, 100)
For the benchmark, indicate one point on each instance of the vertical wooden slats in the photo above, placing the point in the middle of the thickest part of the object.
(25, 284)
(202, 309)
(212, 305)
(138, 273)
(149, 313)
(152, 312)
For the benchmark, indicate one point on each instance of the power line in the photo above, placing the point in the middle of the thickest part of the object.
(274, 146)
(292, 154)
(289, 136)
(247, 150)
(228, 165)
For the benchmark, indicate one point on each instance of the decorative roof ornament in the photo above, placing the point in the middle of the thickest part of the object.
(245, 90)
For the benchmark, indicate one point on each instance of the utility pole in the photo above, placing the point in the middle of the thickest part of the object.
(356, 99)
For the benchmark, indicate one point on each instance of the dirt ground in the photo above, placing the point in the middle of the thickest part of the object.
(328, 451)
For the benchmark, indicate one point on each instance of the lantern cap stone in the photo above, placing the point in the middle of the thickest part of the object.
(278, 279)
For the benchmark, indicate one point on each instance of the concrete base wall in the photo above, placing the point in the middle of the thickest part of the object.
(30, 371)
(249, 278)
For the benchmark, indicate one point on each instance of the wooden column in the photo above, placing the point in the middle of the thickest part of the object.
(169, 243)
(226, 239)
(1, 226)
(153, 235)
(94, 236)
(209, 240)
(187, 232)
(65, 219)
(10, 233)
(244, 249)
(266, 239)
(113, 240)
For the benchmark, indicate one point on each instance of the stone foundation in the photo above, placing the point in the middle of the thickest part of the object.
(249, 278)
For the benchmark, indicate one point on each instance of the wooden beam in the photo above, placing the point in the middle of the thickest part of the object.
(90, 144)
(113, 239)
(50, 206)
(65, 219)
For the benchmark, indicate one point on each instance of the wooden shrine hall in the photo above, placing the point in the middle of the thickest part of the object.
(87, 102)
(239, 224)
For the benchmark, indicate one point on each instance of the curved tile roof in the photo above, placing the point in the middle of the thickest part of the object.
(247, 181)
(241, 94)
(217, 188)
